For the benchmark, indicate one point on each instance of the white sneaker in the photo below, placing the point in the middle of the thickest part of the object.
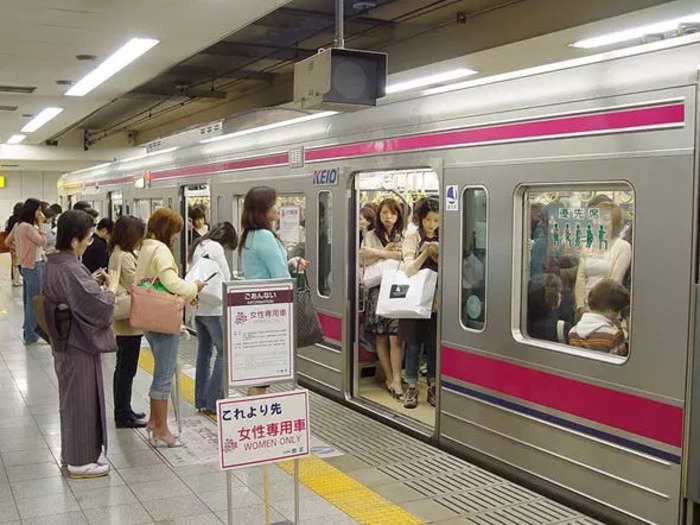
(91, 470)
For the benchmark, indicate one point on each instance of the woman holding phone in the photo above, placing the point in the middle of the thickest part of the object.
(208, 320)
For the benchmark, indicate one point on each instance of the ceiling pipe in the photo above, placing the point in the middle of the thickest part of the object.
(339, 25)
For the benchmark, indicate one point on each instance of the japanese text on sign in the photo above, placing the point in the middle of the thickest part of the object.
(260, 330)
(263, 429)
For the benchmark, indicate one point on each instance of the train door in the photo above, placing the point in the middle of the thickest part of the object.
(116, 205)
(196, 210)
(389, 355)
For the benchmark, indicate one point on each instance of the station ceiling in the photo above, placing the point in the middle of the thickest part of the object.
(221, 57)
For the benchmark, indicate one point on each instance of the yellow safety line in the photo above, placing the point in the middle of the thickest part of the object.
(349, 495)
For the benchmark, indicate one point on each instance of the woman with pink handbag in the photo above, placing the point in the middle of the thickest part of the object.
(156, 264)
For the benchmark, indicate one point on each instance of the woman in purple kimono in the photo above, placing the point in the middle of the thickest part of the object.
(79, 318)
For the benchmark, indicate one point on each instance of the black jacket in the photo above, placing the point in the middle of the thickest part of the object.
(96, 256)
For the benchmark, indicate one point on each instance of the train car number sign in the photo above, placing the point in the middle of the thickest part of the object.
(260, 336)
(263, 429)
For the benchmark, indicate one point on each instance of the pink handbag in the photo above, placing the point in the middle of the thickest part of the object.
(154, 310)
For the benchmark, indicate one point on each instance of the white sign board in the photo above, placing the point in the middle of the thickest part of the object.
(260, 331)
(263, 429)
(452, 198)
(290, 224)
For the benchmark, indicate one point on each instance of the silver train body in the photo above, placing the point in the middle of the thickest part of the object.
(618, 437)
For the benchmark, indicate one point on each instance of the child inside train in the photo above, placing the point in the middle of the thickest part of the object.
(599, 328)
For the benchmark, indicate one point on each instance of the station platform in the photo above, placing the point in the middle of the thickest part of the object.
(360, 471)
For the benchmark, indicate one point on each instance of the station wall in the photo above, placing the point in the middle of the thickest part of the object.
(20, 185)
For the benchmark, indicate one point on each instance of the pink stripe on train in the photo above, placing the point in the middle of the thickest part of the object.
(332, 327)
(627, 119)
(631, 413)
(231, 165)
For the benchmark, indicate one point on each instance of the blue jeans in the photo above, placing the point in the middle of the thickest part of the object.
(412, 357)
(33, 280)
(208, 387)
(164, 348)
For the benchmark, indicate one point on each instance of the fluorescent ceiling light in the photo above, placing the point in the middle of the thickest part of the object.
(122, 57)
(16, 139)
(636, 32)
(446, 76)
(274, 125)
(566, 64)
(42, 118)
(144, 155)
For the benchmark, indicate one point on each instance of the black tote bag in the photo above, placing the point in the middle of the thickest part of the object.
(308, 327)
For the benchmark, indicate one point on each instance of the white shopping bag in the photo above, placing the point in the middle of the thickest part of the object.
(208, 271)
(372, 273)
(403, 297)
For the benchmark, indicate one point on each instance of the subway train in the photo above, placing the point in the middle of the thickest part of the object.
(539, 174)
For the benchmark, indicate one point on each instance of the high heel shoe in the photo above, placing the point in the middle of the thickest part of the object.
(157, 442)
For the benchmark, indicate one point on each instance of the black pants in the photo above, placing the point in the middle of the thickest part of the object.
(128, 348)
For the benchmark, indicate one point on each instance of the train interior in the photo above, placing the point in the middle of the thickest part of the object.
(407, 187)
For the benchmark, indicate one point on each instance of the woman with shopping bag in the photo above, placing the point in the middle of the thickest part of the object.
(156, 266)
(421, 251)
(127, 236)
(384, 242)
(207, 256)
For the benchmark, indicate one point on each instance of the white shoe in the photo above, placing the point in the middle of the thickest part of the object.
(102, 460)
(91, 470)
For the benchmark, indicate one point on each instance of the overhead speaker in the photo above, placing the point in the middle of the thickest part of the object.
(340, 80)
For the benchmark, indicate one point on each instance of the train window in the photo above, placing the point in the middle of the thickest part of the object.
(474, 252)
(142, 209)
(577, 246)
(325, 235)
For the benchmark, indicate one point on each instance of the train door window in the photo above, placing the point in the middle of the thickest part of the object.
(474, 252)
(576, 266)
(142, 209)
(116, 205)
(379, 342)
(156, 204)
(325, 243)
(197, 213)
(237, 267)
(291, 228)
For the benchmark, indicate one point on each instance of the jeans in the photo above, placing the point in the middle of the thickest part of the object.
(412, 357)
(164, 348)
(208, 386)
(128, 349)
(33, 279)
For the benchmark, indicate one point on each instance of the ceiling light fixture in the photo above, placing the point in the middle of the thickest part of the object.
(122, 57)
(42, 118)
(668, 26)
(274, 125)
(428, 80)
(152, 153)
(16, 139)
(565, 64)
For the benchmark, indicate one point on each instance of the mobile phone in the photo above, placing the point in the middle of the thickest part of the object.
(208, 278)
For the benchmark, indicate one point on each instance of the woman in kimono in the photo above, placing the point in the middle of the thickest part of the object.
(77, 340)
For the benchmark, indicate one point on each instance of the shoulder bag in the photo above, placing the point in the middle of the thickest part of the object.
(153, 309)
(308, 327)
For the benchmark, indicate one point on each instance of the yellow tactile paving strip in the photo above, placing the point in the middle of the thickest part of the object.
(349, 495)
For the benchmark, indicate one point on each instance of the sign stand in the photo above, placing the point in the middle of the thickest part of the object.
(275, 349)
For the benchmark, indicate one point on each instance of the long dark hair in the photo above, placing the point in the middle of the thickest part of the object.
(29, 210)
(384, 236)
(224, 233)
(256, 205)
(127, 233)
(423, 208)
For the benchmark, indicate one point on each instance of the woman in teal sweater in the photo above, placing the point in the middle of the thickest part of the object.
(261, 251)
